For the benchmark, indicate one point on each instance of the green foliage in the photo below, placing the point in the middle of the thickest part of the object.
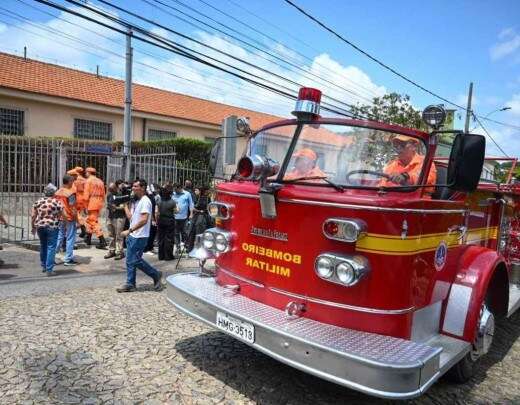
(392, 108)
(190, 150)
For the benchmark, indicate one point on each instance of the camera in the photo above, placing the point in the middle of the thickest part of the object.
(126, 195)
(122, 199)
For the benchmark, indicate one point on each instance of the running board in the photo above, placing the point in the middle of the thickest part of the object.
(514, 299)
(378, 365)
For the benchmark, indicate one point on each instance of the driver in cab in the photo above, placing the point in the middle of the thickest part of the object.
(406, 168)
(305, 165)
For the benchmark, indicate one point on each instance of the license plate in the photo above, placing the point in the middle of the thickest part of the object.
(242, 330)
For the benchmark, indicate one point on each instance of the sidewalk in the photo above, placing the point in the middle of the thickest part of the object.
(23, 264)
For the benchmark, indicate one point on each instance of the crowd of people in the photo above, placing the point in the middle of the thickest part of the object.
(139, 218)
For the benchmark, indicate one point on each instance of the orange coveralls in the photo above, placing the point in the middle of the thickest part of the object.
(94, 194)
(295, 173)
(413, 169)
(81, 202)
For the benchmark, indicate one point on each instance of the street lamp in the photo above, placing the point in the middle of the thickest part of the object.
(492, 112)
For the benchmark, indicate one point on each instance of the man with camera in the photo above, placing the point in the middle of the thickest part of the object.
(139, 212)
(116, 219)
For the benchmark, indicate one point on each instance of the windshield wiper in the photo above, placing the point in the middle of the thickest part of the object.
(338, 187)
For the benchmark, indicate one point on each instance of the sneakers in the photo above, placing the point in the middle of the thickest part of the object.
(150, 252)
(50, 273)
(71, 263)
(158, 283)
(109, 255)
(120, 256)
(126, 288)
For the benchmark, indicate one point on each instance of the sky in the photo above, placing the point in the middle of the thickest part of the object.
(441, 45)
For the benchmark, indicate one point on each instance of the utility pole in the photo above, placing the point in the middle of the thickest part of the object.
(468, 110)
(128, 106)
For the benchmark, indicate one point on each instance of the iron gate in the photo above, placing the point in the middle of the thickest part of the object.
(28, 165)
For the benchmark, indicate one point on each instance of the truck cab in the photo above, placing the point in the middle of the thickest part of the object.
(346, 249)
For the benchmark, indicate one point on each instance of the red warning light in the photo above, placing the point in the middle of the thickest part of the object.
(309, 94)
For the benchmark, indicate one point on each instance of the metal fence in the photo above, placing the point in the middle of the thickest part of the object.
(28, 165)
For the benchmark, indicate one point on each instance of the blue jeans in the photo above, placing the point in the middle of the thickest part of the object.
(67, 231)
(134, 260)
(48, 237)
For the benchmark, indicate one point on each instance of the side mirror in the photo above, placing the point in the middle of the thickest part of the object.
(466, 162)
(214, 156)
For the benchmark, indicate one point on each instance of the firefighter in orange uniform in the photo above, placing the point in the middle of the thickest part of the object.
(81, 203)
(407, 167)
(94, 194)
(305, 165)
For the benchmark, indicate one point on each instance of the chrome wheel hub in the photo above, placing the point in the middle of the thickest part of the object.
(485, 332)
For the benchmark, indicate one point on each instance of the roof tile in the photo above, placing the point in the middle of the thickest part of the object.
(54, 80)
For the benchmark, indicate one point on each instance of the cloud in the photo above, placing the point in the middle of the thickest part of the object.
(345, 84)
(45, 42)
(506, 33)
(161, 32)
(509, 43)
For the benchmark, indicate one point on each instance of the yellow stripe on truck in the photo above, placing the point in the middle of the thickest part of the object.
(395, 245)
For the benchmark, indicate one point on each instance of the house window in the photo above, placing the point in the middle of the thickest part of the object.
(96, 130)
(11, 121)
(160, 134)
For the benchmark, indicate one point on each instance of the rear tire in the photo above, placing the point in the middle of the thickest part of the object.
(466, 368)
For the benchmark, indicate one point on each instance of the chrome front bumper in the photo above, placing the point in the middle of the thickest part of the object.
(374, 364)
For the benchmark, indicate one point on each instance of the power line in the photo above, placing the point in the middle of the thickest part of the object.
(172, 47)
(54, 31)
(368, 91)
(489, 135)
(260, 47)
(332, 107)
(373, 58)
(357, 48)
(499, 122)
(215, 49)
(60, 33)
(217, 91)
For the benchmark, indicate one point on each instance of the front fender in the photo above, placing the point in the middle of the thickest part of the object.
(477, 266)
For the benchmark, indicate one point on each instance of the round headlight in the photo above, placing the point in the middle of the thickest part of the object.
(208, 240)
(350, 231)
(434, 116)
(220, 242)
(324, 267)
(345, 273)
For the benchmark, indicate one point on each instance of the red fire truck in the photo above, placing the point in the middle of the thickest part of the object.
(345, 248)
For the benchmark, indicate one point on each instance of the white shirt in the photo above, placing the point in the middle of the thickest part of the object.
(143, 206)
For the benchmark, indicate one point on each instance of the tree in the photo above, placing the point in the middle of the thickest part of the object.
(392, 108)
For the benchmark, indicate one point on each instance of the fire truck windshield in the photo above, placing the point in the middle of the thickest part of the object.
(342, 155)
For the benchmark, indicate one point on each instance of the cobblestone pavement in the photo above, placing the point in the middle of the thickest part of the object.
(95, 346)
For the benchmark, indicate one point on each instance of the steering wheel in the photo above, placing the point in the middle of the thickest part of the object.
(372, 172)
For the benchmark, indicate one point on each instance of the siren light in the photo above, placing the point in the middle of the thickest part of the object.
(257, 167)
(308, 103)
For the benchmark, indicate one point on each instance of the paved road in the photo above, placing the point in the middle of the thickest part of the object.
(81, 342)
